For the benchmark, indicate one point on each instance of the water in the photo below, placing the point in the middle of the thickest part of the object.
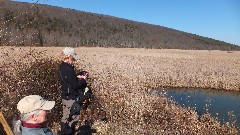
(218, 103)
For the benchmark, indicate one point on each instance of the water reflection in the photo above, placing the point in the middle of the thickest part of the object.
(217, 102)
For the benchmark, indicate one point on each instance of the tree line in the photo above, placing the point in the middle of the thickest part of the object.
(25, 24)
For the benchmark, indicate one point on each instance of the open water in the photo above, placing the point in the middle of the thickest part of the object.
(225, 105)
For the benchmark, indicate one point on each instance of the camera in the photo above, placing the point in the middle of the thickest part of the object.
(83, 73)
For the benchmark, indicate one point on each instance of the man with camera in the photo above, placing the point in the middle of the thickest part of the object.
(71, 86)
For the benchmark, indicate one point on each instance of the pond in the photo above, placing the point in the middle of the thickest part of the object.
(225, 105)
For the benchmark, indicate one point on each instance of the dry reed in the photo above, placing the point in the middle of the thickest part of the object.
(121, 78)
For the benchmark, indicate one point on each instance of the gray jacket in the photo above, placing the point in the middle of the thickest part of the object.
(36, 131)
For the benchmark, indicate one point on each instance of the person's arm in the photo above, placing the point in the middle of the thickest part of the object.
(82, 76)
(82, 83)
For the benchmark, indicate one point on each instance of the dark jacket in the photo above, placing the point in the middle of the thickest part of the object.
(70, 84)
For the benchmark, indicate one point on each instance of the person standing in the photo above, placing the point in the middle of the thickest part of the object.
(70, 85)
(33, 111)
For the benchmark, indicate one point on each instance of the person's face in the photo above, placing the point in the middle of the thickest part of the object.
(41, 116)
(71, 60)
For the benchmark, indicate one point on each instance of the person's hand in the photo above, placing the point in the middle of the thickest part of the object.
(82, 76)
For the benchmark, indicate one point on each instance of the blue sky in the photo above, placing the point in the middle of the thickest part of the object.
(217, 19)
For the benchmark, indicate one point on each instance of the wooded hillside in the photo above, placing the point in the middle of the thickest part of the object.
(25, 24)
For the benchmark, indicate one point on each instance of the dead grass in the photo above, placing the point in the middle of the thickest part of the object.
(120, 79)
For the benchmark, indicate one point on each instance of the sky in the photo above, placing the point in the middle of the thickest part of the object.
(217, 19)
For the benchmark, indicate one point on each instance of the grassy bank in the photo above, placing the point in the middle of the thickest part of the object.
(120, 79)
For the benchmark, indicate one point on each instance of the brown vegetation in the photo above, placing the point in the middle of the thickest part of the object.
(120, 80)
(175, 68)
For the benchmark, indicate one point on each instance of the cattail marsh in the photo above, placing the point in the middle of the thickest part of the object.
(120, 79)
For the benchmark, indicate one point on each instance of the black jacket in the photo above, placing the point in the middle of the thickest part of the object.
(70, 84)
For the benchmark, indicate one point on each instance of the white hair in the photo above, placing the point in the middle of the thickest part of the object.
(26, 116)
(23, 117)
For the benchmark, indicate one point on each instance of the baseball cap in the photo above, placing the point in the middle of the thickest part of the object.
(34, 102)
(70, 52)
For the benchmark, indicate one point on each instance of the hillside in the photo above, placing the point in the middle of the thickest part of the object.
(24, 24)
